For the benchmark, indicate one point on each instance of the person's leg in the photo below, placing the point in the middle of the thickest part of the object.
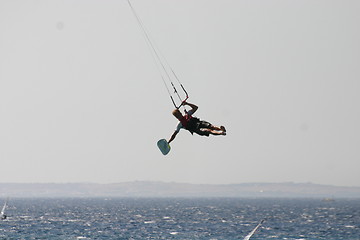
(212, 127)
(208, 125)
(216, 132)
(206, 128)
(205, 124)
(207, 132)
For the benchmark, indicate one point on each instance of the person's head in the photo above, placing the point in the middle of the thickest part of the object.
(177, 114)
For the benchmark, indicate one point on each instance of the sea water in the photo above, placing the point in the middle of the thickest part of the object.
(174, 218)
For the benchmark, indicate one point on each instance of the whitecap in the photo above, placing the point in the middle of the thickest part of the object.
(148, 222)
(350, 226)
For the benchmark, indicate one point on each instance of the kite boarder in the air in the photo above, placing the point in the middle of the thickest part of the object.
(195, 125)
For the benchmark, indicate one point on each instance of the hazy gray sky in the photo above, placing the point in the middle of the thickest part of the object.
(82, 101)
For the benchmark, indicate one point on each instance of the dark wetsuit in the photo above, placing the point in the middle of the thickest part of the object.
(194, 125)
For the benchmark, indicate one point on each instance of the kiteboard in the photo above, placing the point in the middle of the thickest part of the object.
(164, 146)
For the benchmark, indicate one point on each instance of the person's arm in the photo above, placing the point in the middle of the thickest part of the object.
(173, 136)
(193, 106)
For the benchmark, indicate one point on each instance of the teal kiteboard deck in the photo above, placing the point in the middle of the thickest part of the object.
(163, 146)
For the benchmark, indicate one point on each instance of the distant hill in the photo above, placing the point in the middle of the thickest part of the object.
(165, 189)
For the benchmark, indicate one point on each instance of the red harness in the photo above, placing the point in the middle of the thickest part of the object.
(185, 120)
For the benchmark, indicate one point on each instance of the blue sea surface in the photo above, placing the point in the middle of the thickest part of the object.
(176, 218)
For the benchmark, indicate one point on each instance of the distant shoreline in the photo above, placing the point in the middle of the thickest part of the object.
(166, 189)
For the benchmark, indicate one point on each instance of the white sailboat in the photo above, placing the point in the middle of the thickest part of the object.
(253, 231)
(2, 213)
